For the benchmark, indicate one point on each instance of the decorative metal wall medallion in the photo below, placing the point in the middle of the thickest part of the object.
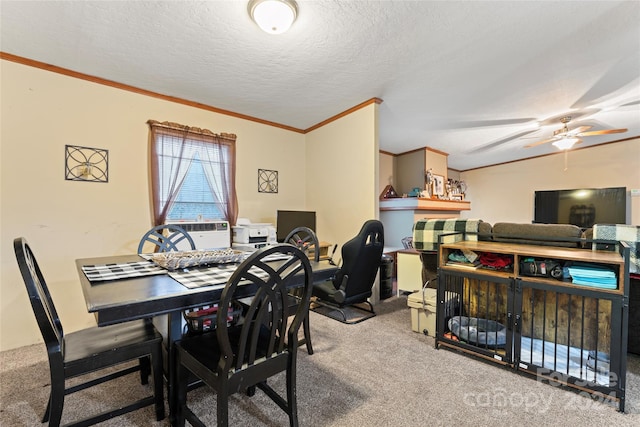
(86, 164)
(267, 181)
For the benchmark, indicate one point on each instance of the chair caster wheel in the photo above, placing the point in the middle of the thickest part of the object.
(424, 331)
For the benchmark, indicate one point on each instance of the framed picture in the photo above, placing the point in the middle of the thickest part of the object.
(438, 185)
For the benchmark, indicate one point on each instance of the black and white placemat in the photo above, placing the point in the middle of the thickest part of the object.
(102, 272)
(209, 276)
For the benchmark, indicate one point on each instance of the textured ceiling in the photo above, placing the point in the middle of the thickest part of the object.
(477, 80)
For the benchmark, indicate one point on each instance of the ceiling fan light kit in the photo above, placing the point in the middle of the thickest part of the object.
(565, 138)
(273, 16)
(566, 143)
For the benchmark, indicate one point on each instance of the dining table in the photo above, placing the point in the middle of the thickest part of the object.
(122, 288)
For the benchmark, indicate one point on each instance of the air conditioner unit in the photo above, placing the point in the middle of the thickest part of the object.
(208, 234)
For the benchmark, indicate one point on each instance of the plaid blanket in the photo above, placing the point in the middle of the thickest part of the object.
(427, 231)
(629, 234)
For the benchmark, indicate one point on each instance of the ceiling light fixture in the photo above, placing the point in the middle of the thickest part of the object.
(273, 16)
(566, 142)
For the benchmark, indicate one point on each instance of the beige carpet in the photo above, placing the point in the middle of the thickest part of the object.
(374, 373)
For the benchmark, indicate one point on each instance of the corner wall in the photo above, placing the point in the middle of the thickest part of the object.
(342, 174)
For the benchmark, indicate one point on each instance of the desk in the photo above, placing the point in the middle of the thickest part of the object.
(122, 300)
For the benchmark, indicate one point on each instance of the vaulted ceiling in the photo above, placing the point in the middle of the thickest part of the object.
(477, 80)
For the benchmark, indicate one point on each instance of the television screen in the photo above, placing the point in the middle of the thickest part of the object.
(286, 221)
(582, 207)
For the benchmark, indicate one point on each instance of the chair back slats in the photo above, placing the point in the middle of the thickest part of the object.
(358, 256)
(167, 238)
(305, 239)
(40, 298)
(264, 331)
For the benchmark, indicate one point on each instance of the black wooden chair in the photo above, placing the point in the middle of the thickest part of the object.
(172, 237)
(166, 238)
(306, 240)
(90, 350)
(263, 343)
(352, 285)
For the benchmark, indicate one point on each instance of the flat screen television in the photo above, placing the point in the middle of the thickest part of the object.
(286, 221)
(582, 207)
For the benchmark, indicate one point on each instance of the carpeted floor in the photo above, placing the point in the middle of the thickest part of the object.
(377, 372)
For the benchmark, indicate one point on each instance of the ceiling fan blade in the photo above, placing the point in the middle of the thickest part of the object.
(579, 129)
(502, 141)
(601, 132)
(544, 141)
(471, 124)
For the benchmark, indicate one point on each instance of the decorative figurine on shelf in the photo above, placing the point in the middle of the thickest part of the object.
(428, 183)
(389, 193)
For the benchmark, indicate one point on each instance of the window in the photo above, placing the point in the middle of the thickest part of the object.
(193, 174)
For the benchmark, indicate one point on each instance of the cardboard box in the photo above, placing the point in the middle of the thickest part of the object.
(423, 311)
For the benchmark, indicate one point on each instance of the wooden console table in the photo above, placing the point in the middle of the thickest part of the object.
(557, 330)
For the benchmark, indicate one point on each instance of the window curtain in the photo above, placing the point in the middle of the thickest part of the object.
(173, 147)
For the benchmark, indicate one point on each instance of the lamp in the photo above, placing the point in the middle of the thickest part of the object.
(566, 142)
(273, 16)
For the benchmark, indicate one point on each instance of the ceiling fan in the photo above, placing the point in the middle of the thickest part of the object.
(565, 138)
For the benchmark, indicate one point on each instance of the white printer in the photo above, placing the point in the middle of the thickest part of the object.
(249, 236)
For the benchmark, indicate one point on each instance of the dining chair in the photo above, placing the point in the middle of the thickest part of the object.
(306, 240)
(263, 343)
(169, 238)
(90, 350)
(166, 238)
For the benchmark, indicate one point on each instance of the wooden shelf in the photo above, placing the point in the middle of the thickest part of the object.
(422, 204)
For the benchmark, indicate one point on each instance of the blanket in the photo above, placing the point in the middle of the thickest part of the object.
(426, 232)
(629, 234)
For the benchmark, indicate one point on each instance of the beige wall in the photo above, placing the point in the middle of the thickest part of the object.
(342, 174)
(505, 192)
(65, 220)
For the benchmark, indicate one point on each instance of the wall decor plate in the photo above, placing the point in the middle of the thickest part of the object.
(86, 164)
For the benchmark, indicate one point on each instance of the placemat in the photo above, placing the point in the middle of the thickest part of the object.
(102, 272)
(209, 276)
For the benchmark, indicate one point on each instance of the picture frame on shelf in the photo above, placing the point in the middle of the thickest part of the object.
(458, 197)
(438, 185)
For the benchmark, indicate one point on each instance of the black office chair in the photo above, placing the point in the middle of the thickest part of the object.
(166, 238)
(306, 240)
(89, 350)
(352, 284)
(263, 343)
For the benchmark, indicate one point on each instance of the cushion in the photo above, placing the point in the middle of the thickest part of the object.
(565, 235)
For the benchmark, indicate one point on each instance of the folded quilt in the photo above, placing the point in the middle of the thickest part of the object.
(426, 232)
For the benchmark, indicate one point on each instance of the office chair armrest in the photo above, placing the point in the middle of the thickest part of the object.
(341, 293)
(343, 284)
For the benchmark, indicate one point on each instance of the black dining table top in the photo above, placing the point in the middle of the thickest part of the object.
(120, 300)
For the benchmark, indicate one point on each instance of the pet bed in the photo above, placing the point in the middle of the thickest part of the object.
(479, 332)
